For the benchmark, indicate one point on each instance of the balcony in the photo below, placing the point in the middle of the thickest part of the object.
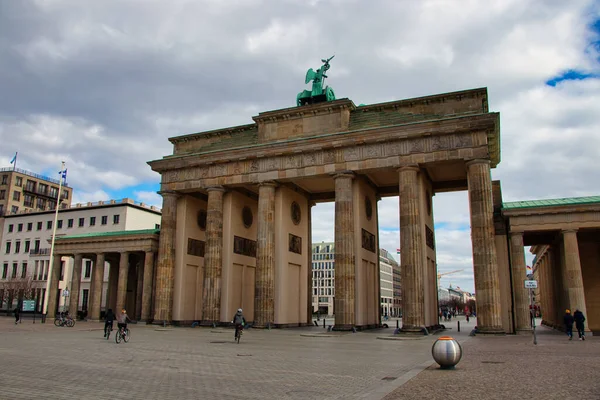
(39, 252)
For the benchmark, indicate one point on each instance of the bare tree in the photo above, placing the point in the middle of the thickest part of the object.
(19, 288)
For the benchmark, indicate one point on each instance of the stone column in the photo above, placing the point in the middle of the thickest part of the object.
(411, 250)
(139, 288)
(550, 313)
(572, 267)
(345, 274)
(75, 284)
(53, 290)
(165, 269)
(122, 285)
(264, 297)
(213, 258)
(309, 288)
(147, 290)
(97, 286)
(519, 274)
(485, 262)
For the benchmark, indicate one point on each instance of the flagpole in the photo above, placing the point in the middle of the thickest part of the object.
(15, 164)
(50, 266)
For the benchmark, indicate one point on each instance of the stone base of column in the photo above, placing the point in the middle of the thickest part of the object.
(343, 327)
(266, 325)
(210, 323)
(524, 331)
(490, 331)
(414, 331)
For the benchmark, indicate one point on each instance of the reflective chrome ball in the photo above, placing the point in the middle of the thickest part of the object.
(446, 352)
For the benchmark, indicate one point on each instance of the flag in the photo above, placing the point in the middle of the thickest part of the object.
(14, 159)
(63, 174)
(397, 251)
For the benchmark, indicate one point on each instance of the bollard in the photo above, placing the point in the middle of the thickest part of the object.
(397, 324)
(458, 326)
(447, 352)
(323, 323)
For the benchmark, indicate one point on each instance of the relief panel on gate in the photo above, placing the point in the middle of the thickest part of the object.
(244, 247)
(295, 244)
(368, 241)
(196, 247)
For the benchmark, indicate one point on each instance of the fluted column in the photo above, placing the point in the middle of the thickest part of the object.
(309, 288)
(122, 284)
(485, 262)
(572, 265)
(551, 302)
(53, 290)
(97, 286)
(75, 284)
(411, 251)
(165, 269)
(213, 258)
(345, 275)
(519, 274)
(147, 285)
(139, 288)
(264, 297)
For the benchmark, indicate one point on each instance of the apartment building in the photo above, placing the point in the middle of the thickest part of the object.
(323, 285)
(26, 236)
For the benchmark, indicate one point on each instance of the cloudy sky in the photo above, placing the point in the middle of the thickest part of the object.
(103, 84)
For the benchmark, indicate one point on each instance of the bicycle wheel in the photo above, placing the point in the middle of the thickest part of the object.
(70, 323)
(118, 336)
(57, 321)
(126, 336)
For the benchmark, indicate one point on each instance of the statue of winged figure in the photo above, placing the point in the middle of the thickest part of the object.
(318, 93)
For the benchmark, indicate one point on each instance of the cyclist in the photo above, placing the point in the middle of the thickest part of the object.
(109, 318)
(239, 321)
(122, 320)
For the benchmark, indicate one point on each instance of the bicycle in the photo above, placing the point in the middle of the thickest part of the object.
(107, 330)
(238, 333)
(122, 334)
(64, 320)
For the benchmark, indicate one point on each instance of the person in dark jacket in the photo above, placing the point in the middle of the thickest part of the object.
(568, 321)
(17, 315)
(239, 321)
(579, 323)
(109, 318)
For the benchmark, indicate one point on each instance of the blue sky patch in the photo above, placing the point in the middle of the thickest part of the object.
(570, 75)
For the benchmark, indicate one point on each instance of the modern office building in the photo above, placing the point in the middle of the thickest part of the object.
(25, 251)
(323, 274)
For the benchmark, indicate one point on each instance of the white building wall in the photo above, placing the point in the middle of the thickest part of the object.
(109, 216)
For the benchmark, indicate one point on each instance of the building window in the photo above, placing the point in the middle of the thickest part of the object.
(14, 209)
(7, 247)
(20, 228)
(53, 192)
(4, 179)
(92, 221)
(30, 186)
(81, 222)
(116, 219)
(88, 268)
(104, 220)
(49, 225)
(43, 189)
(29, 226)
(14, 270)
(24, 270)
(65, 195)
(36, 245)
(4, 270)
(59, 224)
(51, 205)
(17, 247)
(28, 200)
(2, 194)
(70, 223)
(11, 227)
(41, 203)
(16, 195)
(39, 226)
(27, 244)
(19, 181)
(46, 267)
(156, 226)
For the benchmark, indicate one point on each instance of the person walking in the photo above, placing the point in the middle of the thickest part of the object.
(568, 321)
(17, 315)
(579, 323)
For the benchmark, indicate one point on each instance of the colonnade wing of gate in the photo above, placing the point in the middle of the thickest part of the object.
(236, 222)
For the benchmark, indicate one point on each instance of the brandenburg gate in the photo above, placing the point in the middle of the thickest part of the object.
(236, 222)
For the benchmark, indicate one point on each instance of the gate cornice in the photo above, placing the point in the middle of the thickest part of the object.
(439, 131)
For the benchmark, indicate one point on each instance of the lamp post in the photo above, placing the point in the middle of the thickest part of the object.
(51, 264)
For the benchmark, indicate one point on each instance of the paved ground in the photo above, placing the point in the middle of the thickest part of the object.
(511, 367)
(42, 361)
